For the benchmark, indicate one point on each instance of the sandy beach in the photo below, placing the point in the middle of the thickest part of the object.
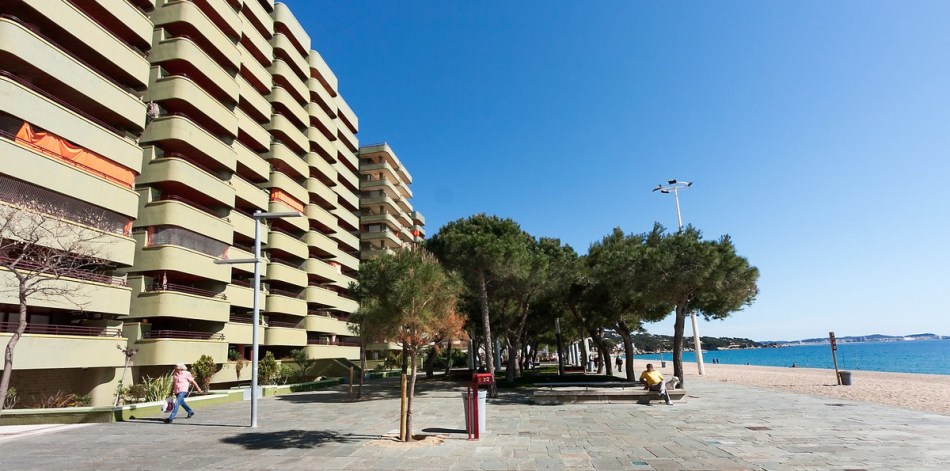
(929, 393)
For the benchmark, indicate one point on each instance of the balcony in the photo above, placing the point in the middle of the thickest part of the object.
(45, 346)
(251, 134)
(186, 18)
(299, 223)
(347, 216)
(284, 130)
(389, 205)
(33, 167)
(321, 296)
(97, 293)
(285, 336)
(321, 269)
(284, 303)
(346, 304)
(320, 71)
(250, 165)
(258, 17)
(285, 22)
(121, 59)
(385, 168)
(285, 49)
(72, 124)
(24, 51)
(124, 20)
(347, 261)
(180, 134)
(347, 115)
(176, 211)
(418, 218)
(240, 296)
(321, 145)
(289, 160)
(254, 42)
(253, 102)
(236, 253)
(345, 172)
(323, 122)
(319, 189)
(288, 186)
(388, 238)
(180, 172)
(343, 282)
(180, 259)
(344, 134)
(279, 97)
(250, 194)
(347, 239)
(179, 301)
(327, 324)
(287, 243)
(321, 169)
(241, 333)
(244, 225)
(185, 55)
(283, 73)
(321, 216)
(320, 243)
(384, 218)
(286, 274)
(256, 74)
(181, 93)
(167, 347)
(320, 351)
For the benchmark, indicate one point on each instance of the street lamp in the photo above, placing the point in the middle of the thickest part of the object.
(674, 186)
(256, 320)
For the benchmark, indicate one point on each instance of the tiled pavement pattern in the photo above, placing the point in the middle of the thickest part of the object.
(722, 426)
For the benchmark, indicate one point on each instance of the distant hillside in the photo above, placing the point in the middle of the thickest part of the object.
(861, 338)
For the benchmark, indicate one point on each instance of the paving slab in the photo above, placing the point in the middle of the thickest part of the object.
(721, 426)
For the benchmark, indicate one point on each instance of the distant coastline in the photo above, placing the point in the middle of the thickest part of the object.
(858, 339)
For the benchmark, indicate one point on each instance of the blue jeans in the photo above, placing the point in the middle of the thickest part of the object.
(180, 401)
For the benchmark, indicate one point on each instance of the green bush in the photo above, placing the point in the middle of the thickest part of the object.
(204, 369)
(82, 400)
(157, 389)
(12, 399)
(268, 369)
(136, 392)
(288, 374)
(233, 355)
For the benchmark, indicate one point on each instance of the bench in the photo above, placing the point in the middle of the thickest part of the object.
(613, 393)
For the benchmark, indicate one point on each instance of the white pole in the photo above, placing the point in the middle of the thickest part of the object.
(256, 320)
(696, 343)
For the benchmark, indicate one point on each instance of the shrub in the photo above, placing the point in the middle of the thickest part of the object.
(82, 400)
(136, 392)
(157, 389)
(238, 366)
(204, 369)
(288, 374)
(57, 400)
(268, 369)
(12, 399)
(233, 355)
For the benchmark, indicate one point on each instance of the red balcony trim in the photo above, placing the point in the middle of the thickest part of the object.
(182, 334)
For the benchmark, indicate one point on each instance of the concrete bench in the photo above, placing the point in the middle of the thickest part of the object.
(627, 394)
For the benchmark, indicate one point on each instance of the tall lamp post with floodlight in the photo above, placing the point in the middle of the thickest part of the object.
(256, 320)
(674, 186)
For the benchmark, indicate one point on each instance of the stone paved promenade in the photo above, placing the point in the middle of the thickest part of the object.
(722, 426)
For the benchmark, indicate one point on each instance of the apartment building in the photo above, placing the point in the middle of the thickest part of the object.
(187, 117)
(388, 220)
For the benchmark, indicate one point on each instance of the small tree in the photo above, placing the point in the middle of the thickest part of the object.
(268, 369)
(38, 249)
(409, 297)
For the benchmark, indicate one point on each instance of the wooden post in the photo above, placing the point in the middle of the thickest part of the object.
(402, 411)
(834, 357)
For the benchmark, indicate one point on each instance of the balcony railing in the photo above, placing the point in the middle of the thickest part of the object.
(188, 202)
(286, 325)
(63, 272)
(182, 334)
(54, 329)
(186, 289)
(289, 294)
(326, 313)
(241, 319)
(340, 343)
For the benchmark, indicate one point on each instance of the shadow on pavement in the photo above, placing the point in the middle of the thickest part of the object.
(444, 430)
(293, 439)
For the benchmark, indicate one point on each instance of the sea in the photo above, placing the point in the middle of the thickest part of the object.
(908, 356)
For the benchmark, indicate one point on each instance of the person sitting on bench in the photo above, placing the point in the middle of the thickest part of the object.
(653, 381)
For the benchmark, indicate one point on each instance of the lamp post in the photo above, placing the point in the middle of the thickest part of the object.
(256, 320)
(560, 348)
(674, 186)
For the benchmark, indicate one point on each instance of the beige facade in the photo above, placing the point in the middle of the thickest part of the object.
(388, 221)
(189, 117)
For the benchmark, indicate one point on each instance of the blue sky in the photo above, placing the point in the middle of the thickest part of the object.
(817, 135)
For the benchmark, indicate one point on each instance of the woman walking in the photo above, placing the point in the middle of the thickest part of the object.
(181, 380)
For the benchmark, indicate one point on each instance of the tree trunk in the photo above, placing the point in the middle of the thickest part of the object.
(448, 358)
(598, 340)
(628, 349)
(8, 352)
(678, 328)
(486, 325)
(512, 364)
(413, 355)
(430, 360)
